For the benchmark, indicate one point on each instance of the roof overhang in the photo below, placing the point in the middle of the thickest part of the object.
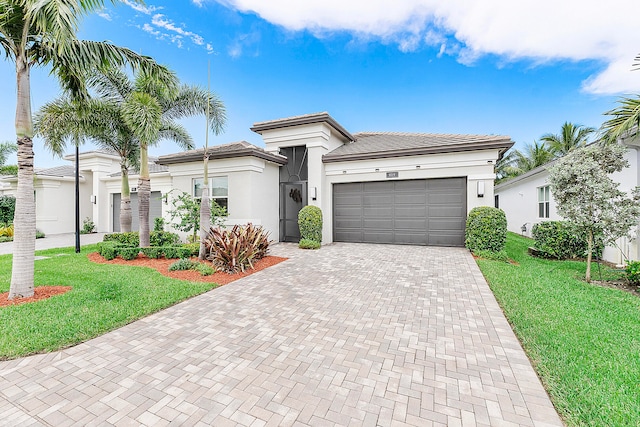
(307, 119)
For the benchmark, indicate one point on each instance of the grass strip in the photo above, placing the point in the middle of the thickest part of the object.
(583, 339)
(104, 297)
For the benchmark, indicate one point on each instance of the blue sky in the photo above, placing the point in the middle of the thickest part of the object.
(492, 67)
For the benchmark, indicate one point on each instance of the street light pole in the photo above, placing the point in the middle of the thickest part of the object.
(77, 200)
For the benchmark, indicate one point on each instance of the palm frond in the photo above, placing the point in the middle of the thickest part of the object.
(192, 100)
(177, 133)
(625, 120)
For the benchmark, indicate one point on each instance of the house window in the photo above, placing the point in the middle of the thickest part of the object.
(218, 189)
(543, 202)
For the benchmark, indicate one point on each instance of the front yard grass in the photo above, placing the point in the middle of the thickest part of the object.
(104, 297)
(583, 339)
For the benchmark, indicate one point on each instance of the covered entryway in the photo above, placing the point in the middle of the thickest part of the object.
(155, 210)
(419, 212)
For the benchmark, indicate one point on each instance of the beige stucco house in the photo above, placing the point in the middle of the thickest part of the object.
(379, 187)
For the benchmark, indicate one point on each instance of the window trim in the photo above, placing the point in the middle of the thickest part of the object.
(544, 198)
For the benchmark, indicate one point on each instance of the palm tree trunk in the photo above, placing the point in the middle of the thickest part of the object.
(125, 201)
(144, 194)
(24, 238)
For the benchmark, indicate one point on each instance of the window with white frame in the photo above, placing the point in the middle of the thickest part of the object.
(543, 202)
(218, 189)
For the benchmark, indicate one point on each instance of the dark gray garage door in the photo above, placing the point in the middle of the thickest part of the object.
(155, 210)
(417, 212)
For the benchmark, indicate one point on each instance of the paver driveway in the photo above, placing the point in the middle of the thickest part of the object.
(353, 334)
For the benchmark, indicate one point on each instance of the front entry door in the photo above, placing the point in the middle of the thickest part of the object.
(293, 197)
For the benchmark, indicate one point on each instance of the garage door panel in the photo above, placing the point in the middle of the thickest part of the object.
(410, 238)
(422, 212)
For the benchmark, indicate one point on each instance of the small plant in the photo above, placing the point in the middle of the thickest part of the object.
(128, 253)
(234, 250)
(308, 244)
(486, 229)
(204, 269)
(109, 291)
(193, 247)
(108, 250)
(6, 231)
(39, 234)
(185, 215)
(182, 264)
(310, 223)
(7, 209)
(130, 239)
(88, 226)
(633, 272)
(158, 224)
(170, 252)
(163, 238)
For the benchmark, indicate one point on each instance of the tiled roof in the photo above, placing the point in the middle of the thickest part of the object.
(305, 119)
(59, 171)
(372, 145)
(154, 167)
(223, 151)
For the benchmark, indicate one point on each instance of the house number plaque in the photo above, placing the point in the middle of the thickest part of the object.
(392, 174)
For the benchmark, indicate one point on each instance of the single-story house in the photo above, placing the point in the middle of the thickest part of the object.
(378, 187)
(528, 200)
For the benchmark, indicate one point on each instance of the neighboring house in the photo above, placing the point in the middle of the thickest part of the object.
(378, 187)
(527, 200)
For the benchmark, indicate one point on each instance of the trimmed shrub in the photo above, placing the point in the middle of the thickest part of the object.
(152, 252)
(7, 209)
(170, 252)
(182, 264)
(234, 250)
(108, 250)
(633, 272)
(193, 247)
(130, 239)
(163, 238)
(310, 223)
(158, 224)
(562, 240)
(486, 229)
(183, 252)
(308, 244)
(128, 253)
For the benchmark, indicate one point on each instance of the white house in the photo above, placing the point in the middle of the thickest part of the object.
(379, 187)
(527, 200)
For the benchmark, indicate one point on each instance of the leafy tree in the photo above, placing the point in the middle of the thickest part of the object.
(571, 136)
(625, 119)
(587, 196)
(186, 209)
(43, 33)
(7, 148)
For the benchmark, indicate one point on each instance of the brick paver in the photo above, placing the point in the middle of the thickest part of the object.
(350, 335)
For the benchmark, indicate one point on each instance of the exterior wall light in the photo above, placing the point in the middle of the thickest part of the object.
(94, 199)
(480, 188)
(313, 192)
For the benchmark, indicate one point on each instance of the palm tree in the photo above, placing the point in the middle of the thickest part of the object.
(6, 148)
(149, 109)
(533, 156)
(96, 119)
(571, 136)
(43, 33)
(625, 121)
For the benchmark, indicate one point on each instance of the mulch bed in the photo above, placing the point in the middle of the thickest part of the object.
(39, 293)
(162, 266)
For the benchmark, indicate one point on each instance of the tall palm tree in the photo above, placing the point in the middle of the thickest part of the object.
(43, 33)
(570, 137)
(625, 119)
(97, 119)
(150, 109)
(533, 156)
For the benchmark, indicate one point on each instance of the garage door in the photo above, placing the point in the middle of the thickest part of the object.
(155, 210)
(417, 212)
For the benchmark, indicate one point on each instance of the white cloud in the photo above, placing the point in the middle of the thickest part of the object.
(147, 10)
(537, 30)
(104, 15)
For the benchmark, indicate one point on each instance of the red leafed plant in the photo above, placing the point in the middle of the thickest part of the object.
(234, 250)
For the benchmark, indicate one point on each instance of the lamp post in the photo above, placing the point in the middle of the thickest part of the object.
(77, 200)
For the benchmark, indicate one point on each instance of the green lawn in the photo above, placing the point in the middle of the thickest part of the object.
(584, 340)
(104, 297)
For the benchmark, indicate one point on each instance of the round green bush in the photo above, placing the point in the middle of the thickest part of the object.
(310, 223)
(486, 229)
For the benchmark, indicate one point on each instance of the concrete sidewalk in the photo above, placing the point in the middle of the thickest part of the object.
(56, 241)
(349, 335)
